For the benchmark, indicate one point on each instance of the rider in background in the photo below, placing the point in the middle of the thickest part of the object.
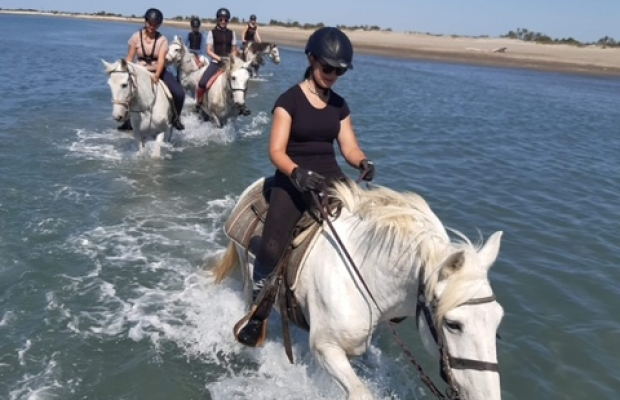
(250, 33)
(196, 42)
(307, 119)
(221, 42)
(151, 47)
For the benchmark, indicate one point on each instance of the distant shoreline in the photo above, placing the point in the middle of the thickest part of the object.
(589, 60)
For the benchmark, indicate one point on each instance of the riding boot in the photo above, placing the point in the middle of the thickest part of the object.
(178, 125)
(251, 330)
(126, 126)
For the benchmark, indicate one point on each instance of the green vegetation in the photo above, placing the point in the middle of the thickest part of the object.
(520, 34)
(537, 37)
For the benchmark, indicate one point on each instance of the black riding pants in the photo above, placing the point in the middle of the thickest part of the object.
(286, 206)
(209, 72)
(177, 91)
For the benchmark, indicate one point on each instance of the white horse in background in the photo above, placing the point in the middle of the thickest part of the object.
(147, 105)
(179, 54)
(225, 98)
(408, 266)
(254, 52)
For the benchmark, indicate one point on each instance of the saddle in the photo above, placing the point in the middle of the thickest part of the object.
(245, 226)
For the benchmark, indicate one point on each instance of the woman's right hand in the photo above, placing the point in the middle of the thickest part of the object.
(306, 180)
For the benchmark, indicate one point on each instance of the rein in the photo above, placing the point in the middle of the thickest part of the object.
(447, 361)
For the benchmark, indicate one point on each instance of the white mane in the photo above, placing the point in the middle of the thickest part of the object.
(404, 227)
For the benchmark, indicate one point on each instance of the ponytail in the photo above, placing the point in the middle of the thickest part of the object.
(308, 73)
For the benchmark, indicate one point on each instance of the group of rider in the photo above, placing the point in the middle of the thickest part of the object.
(150, 47)
(307, 119)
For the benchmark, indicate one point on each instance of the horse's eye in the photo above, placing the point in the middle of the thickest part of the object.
(234, 78)
(124, 85)
(454, 326)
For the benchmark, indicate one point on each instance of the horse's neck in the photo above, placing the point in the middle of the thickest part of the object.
(219, 90)
(145, 90)
(188, 63)
(391, 276)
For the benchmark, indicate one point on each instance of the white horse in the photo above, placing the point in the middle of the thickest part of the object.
(137, 98)
(226, 96)
(409, 266)
(254, 52)
(179, 54)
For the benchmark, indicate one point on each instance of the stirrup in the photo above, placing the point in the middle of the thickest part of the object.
(250, 330)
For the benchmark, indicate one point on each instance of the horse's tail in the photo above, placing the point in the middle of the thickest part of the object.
(229, 261)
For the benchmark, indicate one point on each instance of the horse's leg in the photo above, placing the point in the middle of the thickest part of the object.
(159, 139)
(335, 361)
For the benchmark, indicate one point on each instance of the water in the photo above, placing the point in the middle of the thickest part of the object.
(101, 291)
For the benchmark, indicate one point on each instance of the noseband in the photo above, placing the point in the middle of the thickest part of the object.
(447, 361)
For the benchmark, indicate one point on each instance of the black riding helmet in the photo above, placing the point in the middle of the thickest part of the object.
(222, 13)
(154, 15)
(331, 46)
(195, 23)
(253, 17)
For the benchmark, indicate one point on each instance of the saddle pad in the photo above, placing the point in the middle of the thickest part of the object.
(214, 77)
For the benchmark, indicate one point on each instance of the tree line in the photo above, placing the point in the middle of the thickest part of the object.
(538, 37)
(520, 34)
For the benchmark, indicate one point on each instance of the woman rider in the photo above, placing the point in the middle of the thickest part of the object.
(221, 42)
(151, 47)
(307, 119)
(250, 33)
(195, 41)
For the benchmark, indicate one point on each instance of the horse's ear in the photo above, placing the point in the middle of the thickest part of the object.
(108, 66)
(452, 264)
(123, 63)
(490, 250)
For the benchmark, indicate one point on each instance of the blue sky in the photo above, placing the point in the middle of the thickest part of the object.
(584, 20)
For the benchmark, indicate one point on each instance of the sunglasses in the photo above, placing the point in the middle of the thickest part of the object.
(223, 19)
(328, 69)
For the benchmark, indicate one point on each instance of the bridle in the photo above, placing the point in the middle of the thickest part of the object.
(126, 102)
(447, 361)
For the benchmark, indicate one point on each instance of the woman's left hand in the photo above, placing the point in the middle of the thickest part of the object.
(367, 170)
(155, 78)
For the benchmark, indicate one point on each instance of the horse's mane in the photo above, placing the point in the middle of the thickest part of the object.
(403, 226)
(232, 63)
(260, 46)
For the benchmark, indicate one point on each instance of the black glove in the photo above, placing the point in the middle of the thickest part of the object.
(367, 170)
(306, 180)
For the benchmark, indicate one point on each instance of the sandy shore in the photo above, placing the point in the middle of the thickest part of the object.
(590, 60)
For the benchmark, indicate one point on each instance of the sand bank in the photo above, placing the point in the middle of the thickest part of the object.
(590, 60)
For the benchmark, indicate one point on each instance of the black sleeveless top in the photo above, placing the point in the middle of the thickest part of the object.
(222, 41)
(250, 33)
(313, 131)
(195, 40)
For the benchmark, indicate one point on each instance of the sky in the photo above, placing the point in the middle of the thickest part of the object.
(584, 20)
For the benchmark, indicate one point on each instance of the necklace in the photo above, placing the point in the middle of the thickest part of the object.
(316, 92)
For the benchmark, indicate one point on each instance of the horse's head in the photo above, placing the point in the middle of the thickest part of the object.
(176, 50)
(238, 74)
(465, 316)
(123, 86)
(274, 53)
